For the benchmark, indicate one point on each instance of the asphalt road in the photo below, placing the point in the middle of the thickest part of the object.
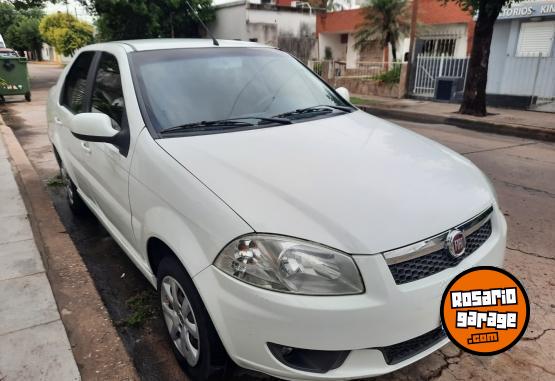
(523, 173)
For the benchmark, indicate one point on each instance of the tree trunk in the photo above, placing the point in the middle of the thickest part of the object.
(474, 99)
(172, 33)
(394, 52)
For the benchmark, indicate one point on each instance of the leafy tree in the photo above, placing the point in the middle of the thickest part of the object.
(123, 19)
(474, 98)
(385, 21)
(24, 35)
(20, 27)
(27, 4)
(65, 32)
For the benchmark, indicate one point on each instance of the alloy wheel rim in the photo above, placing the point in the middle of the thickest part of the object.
(180, 320)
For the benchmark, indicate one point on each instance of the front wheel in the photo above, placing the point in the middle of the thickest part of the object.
(194, 339)
(28, 96)
(76, 203)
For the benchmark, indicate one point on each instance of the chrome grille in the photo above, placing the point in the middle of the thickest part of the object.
(431, 256)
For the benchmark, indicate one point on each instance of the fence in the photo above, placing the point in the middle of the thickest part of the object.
(428, 69)
(362, 69)
(320, 67)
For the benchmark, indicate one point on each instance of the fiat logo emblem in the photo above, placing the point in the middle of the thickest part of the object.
(456, 243)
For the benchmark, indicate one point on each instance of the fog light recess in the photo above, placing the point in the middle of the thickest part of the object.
(308, 360)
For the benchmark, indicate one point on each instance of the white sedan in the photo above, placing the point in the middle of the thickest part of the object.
(285, 230)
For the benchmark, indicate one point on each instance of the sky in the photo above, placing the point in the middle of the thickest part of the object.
(73, 7)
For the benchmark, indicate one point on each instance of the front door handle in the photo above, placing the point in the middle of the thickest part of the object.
(57, 120)
(86, 147)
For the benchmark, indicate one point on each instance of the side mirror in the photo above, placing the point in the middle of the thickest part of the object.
(344, 93)
(93, 127)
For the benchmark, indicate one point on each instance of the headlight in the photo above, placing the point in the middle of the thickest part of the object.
(290, 265)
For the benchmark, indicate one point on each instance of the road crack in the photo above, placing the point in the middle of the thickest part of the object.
(538, 336)
(500, 148)
(530, 253)
(524, 187)
(439, 371)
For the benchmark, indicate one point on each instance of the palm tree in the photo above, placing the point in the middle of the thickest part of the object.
(384, 21)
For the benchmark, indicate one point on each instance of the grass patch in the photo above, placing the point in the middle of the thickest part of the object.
(142, 309)
(363, 101)
(55, 181)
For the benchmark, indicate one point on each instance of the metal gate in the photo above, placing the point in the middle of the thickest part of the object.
(428, 69)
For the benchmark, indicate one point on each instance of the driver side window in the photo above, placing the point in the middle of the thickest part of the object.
(107, 94)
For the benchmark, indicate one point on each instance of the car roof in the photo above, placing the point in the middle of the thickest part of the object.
(183, 43)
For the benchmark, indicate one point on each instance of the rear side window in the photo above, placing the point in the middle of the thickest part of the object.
(107, 95)
(75, 85)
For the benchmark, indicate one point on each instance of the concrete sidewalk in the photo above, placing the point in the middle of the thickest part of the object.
(526, 124)
(33, 341)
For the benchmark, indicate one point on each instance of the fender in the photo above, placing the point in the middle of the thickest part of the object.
(171, 204)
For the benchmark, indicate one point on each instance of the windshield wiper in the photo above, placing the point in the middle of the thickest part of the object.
(315, 109)
(231, 122)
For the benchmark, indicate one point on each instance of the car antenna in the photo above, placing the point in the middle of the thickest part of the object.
(203, 24)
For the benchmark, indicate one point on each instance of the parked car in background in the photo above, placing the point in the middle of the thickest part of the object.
(285, 230)
(8, 53)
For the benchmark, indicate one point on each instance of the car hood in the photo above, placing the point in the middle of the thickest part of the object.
(354, 182)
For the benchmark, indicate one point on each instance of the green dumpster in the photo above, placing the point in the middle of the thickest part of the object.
(14, 78)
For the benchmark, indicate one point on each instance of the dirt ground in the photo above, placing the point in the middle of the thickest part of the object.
(523, 172)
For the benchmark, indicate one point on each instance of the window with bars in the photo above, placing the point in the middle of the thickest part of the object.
(439, 46)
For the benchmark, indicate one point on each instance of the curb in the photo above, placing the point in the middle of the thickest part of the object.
(545, 134)
(97, 348)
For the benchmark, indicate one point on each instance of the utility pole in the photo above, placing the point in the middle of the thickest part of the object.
(413, 26)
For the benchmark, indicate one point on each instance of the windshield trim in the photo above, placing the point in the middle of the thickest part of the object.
(156, 134)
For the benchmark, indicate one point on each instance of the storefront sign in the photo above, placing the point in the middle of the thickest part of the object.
(528, 10)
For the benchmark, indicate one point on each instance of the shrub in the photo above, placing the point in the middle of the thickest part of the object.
(390, 77)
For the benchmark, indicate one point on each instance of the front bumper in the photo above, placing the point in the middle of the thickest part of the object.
(247, 317)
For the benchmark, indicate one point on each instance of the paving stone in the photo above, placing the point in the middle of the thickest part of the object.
(19, 259)
(14, 228)
(3, 150)
(26, 302)
(38, 353)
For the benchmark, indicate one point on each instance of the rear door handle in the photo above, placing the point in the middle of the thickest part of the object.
(57, 120)
(86, 147)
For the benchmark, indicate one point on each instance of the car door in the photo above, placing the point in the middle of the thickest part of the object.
(107, 166)
(74, 100)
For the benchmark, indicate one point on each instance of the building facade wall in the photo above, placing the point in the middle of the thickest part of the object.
(435, 20)
(434, 12)
(512, 74)
(290, 29)
(230, 22)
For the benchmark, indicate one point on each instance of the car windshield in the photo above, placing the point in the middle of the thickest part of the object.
(184, 87)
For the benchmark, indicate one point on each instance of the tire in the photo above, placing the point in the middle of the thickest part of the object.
(28, 96)
(76, 203)
(211, 361)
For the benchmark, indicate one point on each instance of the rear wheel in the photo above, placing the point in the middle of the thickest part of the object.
(194, 339)
(76, 203)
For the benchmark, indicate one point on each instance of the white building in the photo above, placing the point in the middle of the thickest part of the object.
(522, 59)
(292, 29)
